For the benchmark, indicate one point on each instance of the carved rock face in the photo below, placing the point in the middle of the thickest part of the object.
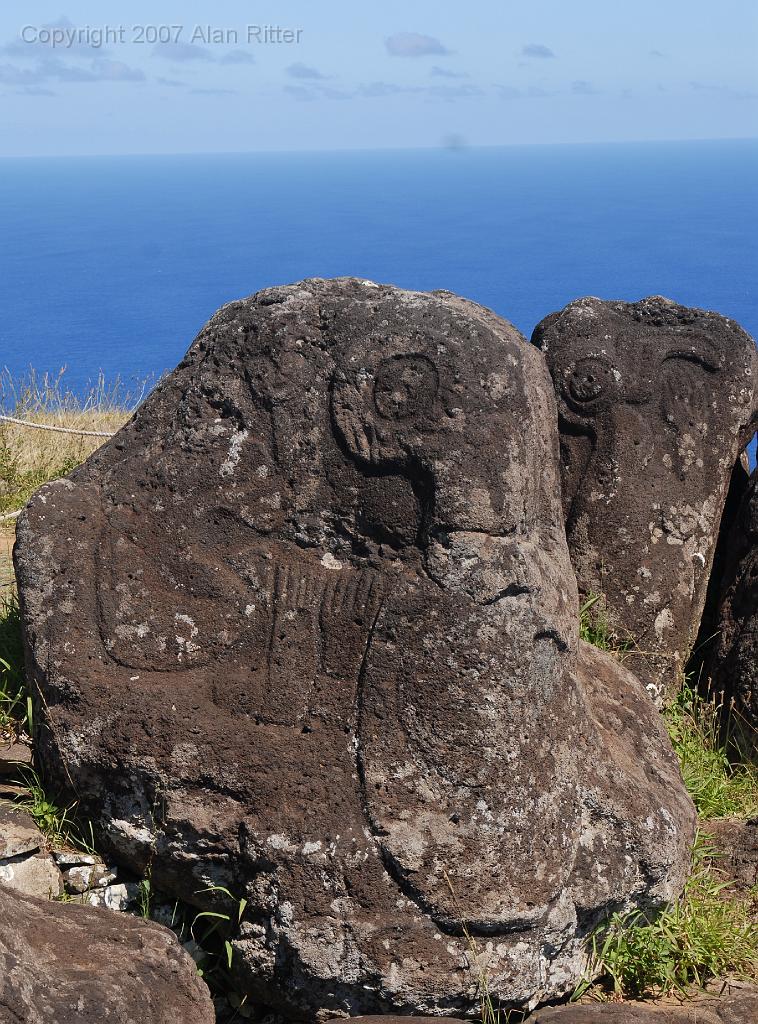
(313, 639)
(655, 403)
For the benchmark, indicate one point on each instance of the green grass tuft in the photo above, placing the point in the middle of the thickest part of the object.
(719, 787)
(702, 936)
(596, 628)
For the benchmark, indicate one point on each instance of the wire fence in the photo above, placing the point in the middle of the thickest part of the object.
(57, 430)
(47, 426)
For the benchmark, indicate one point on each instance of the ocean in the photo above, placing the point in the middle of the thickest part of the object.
(113, 264)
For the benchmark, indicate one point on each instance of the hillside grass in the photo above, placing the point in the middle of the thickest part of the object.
(29, 457)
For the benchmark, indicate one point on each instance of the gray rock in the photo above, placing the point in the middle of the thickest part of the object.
(18, 832)
(113, 897)
(315, 641)
(655, 403)
(66, 964)
(83, 877)
(14, 755)
(736, 844)
(72, 858)
(736, 1004)
(12, 791)
(34, 874)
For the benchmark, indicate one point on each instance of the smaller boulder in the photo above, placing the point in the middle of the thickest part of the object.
(736, 1004)
(655, 403)
(12, 755)
(70, 964)
(18, 832)
(35, 875)
(736, 844)
(24, 863)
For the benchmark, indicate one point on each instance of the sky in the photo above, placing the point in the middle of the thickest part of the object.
(232, 76)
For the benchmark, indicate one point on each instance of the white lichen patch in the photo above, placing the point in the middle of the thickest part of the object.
(664, 621)
(185, 644)
(231, 461)
(329, 561)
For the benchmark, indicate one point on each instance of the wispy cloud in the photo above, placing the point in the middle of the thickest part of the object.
(532, 92)
(379, 90)
(330, 93)
(301, 93)
(11, 75)
(181, 52)
(54, 69)
(35, 90)
(116, 71)
(538, 50)
(173, 82)
(299, 70)
(438, 72)
(723, 90)
(454, 92)
(413, 44)
(238, 57)
(580, 87)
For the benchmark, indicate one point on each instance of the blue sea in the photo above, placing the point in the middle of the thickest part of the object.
(114, 263)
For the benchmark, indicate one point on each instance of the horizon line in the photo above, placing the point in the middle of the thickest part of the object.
(452, 148)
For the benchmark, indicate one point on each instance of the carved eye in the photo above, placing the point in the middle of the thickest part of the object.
(588, 382)
(405, 386)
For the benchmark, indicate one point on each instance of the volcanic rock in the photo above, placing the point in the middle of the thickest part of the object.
(305, 634)
(68, 964)
(736, 1004)
(733, 662)
(655, 403)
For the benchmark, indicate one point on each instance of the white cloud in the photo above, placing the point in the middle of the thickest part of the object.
(538, 50)
(181, 52)
(237, 57)
(438, 72)
(413, 44)
(300, 70)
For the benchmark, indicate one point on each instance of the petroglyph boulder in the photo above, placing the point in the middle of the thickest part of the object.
(655, 402)
(306, 629)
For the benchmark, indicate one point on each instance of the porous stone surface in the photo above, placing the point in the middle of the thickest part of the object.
(389, 1018)
(736, 1004)
(12, 756)
(34, 874)
(733, 662)
(68, 964)
(306, 629)
(25, 864)
(736, 844)
(699, 665)
(18, 831)
(655, 403)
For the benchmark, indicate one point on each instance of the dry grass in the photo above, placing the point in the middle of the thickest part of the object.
(6, 566)
(28, 457)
